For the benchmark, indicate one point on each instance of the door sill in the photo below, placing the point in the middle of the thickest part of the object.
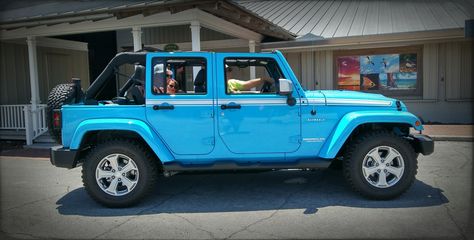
(231, 165)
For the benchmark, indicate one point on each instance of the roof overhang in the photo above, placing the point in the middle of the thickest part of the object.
(367, 41)
(219, 15)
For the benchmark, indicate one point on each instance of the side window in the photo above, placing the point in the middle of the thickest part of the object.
(251, 75)
(179, 76)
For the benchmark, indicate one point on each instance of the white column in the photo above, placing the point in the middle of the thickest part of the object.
(252, 50)
(34, 84)
(137, 38)
(196, 36)
(196, 42)
(33, 65)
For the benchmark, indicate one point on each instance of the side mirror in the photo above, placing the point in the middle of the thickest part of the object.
(286, 89)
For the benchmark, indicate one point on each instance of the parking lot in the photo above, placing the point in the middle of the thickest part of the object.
(39, 200)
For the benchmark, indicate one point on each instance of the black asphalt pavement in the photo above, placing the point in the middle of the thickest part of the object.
(39, 200)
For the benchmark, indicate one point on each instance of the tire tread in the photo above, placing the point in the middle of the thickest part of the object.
(151, 164)
(61, 94)
(356, 144)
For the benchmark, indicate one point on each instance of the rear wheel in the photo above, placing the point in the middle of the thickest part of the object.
(380, 165)
(119, 173)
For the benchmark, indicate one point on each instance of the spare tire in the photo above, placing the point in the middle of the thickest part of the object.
(59, 95)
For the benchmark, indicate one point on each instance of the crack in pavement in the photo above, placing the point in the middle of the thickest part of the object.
(468, 159)
(267, 234)
(318, 184)
(36, 201)
(145, 210)
(448, 211)
(196, 226)
(20, 233)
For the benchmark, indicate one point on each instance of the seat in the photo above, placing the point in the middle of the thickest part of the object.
(137, 95)
(200, 82)
(137, 90)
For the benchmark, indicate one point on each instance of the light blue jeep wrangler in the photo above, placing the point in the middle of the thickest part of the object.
(154, 113)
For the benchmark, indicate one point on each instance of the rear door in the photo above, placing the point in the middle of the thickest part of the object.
(185, 119)
(255, 120)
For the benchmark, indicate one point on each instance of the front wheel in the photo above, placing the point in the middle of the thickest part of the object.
(380, 165)
(119, 173)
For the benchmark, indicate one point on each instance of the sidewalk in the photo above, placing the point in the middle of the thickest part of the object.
(437, 132)
(449, 132)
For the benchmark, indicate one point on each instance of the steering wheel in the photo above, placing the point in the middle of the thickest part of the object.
(266, 87)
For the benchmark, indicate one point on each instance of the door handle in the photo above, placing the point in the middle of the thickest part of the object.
(163, 107)
(230, 106)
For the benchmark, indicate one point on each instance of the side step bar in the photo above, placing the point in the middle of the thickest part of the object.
(231, 165)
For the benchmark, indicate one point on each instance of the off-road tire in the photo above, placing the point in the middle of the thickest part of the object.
(147, 166)
(360, 147)
(59, 95)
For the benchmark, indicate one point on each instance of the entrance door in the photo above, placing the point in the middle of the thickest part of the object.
(252, 117)
(179, 103)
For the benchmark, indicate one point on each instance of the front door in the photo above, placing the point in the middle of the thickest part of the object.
(252, 117)
(179, 103)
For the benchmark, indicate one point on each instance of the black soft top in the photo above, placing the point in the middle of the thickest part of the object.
(119, 59)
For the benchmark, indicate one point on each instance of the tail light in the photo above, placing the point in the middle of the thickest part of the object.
(57, 118)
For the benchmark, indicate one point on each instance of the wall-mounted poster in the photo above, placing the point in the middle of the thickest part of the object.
(398, 81)
(377, 72)
(407, 62)
(369, 81)
(348, 76)
(387, 63)
(406, 80)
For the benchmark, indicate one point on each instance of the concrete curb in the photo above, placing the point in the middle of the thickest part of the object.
(452, 138)
(41, 146)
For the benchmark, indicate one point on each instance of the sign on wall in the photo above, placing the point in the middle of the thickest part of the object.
(171, 47)
(377, 72)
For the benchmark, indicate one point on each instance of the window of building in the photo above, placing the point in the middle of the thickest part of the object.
(251, 75)
(179, 76)
(390, 71)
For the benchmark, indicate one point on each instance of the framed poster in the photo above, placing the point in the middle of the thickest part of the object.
(390, 71)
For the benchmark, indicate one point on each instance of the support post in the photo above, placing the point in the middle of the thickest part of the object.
(196, 36)
(137, 38)
(34, 83)
(33, 67)
(28, 125)
(252, 50)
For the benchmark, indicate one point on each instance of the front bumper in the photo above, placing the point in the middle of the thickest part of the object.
(63, 157)
(422, 143)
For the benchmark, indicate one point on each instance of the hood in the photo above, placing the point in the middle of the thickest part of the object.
(344, 97)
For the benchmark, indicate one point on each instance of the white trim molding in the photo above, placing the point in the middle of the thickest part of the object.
(111, 24)
(366, 41)
(208, 45)
(63, 44)
(357, 102)
(57, 43)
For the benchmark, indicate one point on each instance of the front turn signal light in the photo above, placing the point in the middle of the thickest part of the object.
(417, 123)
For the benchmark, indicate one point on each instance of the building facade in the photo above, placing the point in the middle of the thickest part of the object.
(411, 50)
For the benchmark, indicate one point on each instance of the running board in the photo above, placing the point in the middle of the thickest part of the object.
(230, 165)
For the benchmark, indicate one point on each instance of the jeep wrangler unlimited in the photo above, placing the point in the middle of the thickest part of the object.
(177, 111)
